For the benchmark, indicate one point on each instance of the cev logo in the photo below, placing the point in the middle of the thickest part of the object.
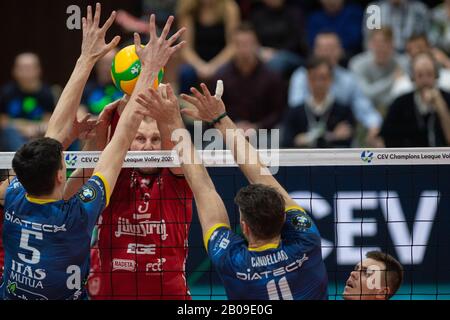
(71, 160)
(367, 156)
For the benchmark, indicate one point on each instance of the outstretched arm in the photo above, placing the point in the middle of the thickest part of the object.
(153, 57)
(205, 107)
(211, 209)
(97, 141)
(61, 125)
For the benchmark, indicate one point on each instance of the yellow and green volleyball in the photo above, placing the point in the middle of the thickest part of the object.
(126, 68)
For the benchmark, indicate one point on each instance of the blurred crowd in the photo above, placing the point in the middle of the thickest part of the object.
(321, 76)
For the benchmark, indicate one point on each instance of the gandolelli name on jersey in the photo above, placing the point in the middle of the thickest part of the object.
(270, 259)
(24, 274)
(142, 229)
(33, 225)
(249, 276)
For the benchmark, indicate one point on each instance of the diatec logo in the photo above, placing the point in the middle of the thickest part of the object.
(367, 156)
(71, 160)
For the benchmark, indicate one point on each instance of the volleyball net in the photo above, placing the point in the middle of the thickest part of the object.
(393, 200)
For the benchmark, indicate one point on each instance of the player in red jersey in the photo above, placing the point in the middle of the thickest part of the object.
(142, 246)
(143, 235)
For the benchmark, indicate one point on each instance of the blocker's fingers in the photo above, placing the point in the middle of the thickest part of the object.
(167, 27)
(191, 100)
(219, 89)
(137, 42)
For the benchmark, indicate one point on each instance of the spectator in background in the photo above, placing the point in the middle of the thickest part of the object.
(420, 118)
(405, 17)
(210, 25)
(345, 87)
(255, 95)
(415, 46)
(378, 68)
(26, 103)
(320, 122)
(440, 26)
(102, 91)
(343, 19)
(281, 33)
(130, 23)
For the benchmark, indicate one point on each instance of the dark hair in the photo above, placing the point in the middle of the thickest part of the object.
(418, 36)
(315, 62)
(36, 165)
(394, 270)
(263, 208)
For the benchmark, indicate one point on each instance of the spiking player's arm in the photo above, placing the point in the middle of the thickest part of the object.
(166, 135)
(209, 108)
(63, 125)
(153, 57)
(165, 110)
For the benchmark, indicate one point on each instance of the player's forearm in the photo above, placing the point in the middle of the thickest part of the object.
(111, 159)
(66, 109)
(80, 175)
(248, 160)
(211, 209)
(166, 142)
(242, 151)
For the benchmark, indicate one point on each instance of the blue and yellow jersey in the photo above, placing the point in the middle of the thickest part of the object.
(47, 242)
(290, 270)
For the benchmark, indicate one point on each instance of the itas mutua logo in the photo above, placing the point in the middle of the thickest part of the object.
(367, 156)
(71, 160)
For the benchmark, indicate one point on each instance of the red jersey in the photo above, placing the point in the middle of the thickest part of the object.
(143, 237)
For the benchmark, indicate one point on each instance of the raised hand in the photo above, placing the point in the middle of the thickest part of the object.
(204, 107)
(94, 45)
(161, 105)
(81, 129)
(158, 51)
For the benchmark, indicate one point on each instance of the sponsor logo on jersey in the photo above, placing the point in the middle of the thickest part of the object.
(141, 229)
(15, 290)
(269, 274)
(137, 248)
(26, 275)
(301, 221)
(33, 225)
(224, 243)
(123, 264)
(155, 267)
(87, 194)
(270, 259)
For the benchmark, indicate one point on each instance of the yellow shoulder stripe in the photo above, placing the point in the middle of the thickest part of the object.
(39, 201)
(107, 187)
(265, 247)
(295, 208)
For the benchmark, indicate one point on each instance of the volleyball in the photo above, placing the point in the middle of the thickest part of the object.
(126, 68)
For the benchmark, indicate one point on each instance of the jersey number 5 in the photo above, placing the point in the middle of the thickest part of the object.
(24, 244)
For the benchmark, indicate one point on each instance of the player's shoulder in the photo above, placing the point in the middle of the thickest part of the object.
(14, 190)
(221, 238)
